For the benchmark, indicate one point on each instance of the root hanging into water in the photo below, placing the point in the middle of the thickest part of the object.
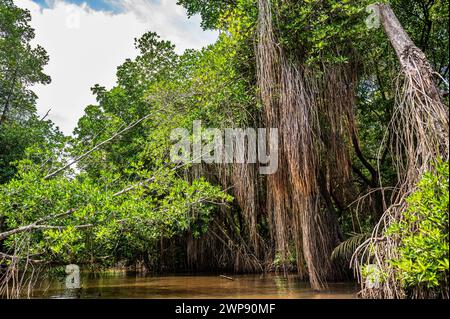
(21, 273)
(313, 111)
(420, 126)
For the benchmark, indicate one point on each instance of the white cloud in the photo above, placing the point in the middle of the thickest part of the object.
(85, 47)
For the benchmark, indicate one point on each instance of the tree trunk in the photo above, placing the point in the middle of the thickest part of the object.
(9, 99)
(421, 90)
(404, 47)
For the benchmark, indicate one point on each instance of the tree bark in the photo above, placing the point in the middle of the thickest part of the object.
(418, 69)
(399, 39)
(404, 47)
(8, 100)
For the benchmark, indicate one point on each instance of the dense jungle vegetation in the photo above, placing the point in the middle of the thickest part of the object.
(361, 192)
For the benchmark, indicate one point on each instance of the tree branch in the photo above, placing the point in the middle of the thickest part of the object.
(33, 227)
(132, 125)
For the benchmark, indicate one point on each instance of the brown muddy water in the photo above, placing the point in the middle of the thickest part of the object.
(125, 286)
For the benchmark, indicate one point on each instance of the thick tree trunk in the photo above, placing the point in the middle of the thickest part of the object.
(404, 48)
(399, 39)
(421, 87)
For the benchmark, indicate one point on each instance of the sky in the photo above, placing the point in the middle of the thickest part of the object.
(87, 40)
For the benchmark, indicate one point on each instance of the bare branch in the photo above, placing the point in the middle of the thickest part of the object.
(129, 127)
(34, 226)
(46, 114)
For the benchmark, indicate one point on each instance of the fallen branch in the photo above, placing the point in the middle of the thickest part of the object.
(36, 225)
(226, 277)
(33, 227)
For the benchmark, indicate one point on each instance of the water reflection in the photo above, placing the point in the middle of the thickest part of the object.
(126, 285)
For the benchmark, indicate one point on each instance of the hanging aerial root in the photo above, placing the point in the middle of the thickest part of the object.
(421, 135)
(294, 97)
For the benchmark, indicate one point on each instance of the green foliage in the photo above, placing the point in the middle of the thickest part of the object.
(20, 65)
(373, 275)
(128, 226)
(209, 10)
(320, 31)
(15, 138)
(346, 249)
(423, 253)
(198, 85)
(166, 207)
(427, 24)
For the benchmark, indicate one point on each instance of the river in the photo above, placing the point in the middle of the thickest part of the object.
(136, 286)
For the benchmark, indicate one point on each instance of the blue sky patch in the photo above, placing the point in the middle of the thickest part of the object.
(99, 5)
